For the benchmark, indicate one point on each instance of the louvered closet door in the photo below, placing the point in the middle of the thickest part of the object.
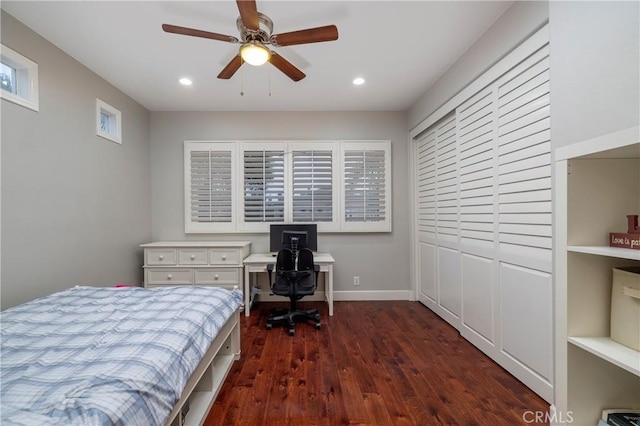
(209, 186)
(437, 219)
(484, 220)
(447, 226)
(426, 217)
(524, 226)
(477, 139)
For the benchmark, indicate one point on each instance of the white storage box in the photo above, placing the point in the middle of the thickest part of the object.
(625, 307)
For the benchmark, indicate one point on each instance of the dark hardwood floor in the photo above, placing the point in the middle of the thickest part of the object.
(372, 363)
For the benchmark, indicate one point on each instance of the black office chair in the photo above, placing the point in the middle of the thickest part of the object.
(294, 283)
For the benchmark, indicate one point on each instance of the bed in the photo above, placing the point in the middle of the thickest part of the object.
(93, 355)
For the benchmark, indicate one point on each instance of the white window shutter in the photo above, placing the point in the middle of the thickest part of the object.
(366, 194)
(263, 185)
(209, 169)
(312, 185)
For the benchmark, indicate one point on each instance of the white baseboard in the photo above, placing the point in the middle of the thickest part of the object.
(372, 295)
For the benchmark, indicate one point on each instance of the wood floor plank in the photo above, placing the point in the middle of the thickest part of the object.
(372, 363)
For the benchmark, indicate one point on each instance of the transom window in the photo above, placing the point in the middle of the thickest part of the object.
(18, 79)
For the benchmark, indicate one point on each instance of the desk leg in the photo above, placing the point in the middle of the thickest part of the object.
(329, 290)
(247, 291)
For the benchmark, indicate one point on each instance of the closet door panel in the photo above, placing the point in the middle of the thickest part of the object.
(477, 295)
(427, 273)
(449, 286)
(527, 318)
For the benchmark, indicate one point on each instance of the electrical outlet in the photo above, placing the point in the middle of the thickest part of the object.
(356, 280)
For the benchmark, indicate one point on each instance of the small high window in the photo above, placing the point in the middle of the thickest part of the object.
(18, 79)
(108, 122)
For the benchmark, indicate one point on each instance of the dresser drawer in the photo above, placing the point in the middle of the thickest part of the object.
(192, 256)
(160, 256)
(224, 256)
(167, 276)
(217, 276)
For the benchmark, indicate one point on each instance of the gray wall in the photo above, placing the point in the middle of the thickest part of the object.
(515, 25)
(381, 260)
(74, 206)
(595, 72)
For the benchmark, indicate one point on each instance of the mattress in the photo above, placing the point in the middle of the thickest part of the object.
(95, 356)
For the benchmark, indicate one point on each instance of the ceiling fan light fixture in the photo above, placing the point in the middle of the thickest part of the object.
(255, 54)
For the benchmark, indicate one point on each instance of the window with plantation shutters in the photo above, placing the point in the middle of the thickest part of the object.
(244, 186)
(312, 185)
(366, 186)
(264, 185)
(209, 197)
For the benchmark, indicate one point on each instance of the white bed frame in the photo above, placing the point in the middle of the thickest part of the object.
(204, 384)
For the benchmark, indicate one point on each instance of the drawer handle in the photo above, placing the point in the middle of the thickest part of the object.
(224, 257)
(216, 276)
(169, 276)
(193, 256)
(161, 257)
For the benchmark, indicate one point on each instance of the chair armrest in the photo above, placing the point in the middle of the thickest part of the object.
(270, 267)
(316, 269)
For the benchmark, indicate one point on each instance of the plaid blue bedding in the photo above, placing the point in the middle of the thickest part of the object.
(96, 356)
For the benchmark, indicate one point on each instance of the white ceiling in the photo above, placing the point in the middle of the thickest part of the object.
(399, 47)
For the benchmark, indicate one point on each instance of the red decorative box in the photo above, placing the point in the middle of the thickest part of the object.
(630, 239)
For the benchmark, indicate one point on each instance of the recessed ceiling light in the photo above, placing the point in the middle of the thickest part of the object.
(358, 81)
(185, 81)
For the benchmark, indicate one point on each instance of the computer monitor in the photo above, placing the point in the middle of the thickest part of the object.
(285, 235)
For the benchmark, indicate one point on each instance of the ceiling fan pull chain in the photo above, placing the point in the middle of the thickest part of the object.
(269, 75)
(241, 82)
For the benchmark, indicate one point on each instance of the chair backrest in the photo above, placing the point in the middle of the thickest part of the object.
(290, 281)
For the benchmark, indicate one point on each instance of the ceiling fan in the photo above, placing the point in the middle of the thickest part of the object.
(255, 35)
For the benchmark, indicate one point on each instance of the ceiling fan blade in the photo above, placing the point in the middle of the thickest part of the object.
(249, 14)
(311, 35)
(286, 67)
(198, 33)
(231, 68)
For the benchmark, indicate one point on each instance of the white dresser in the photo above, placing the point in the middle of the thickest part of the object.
(171, 263)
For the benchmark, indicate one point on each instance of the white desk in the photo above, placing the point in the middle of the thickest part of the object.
(257, 262)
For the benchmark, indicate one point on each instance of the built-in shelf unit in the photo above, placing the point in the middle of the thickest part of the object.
(597, 183)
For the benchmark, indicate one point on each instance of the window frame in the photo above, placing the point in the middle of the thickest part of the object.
(114, 133)
(26, 72)
(244, 146)
(334, 147)
(377, 226)
(206, 227)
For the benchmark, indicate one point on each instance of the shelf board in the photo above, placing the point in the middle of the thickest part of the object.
(621, 253)
(613, 352)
